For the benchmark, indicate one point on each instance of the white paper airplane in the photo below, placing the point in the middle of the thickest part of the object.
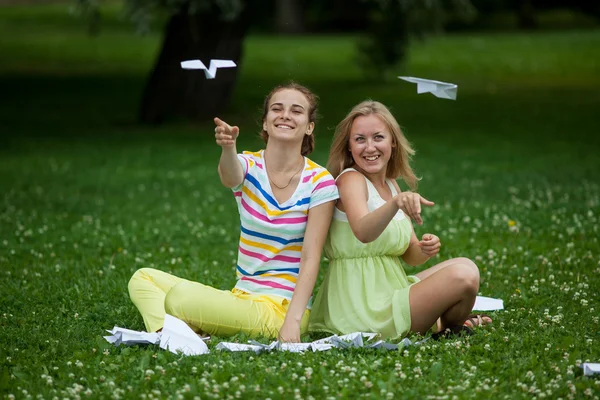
(211, 71)
(439, 89)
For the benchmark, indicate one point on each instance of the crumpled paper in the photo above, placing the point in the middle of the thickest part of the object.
(120, 336)
(351, 340)
(178, 337)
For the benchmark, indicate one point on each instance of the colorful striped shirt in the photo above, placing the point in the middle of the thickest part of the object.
(272, 234)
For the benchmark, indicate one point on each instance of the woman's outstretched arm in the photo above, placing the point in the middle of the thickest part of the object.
(230, 170)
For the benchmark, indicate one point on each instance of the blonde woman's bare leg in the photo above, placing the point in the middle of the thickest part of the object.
(430, 271)
(447, 293)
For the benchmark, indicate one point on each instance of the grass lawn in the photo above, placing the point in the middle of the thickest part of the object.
(88, 196)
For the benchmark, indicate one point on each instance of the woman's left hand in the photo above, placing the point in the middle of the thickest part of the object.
(289, 332)
(430, 244)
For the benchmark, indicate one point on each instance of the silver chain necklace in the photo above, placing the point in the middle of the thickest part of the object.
(290, 181)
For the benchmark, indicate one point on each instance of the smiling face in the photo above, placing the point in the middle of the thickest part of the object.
(370, 144)
(287, 116)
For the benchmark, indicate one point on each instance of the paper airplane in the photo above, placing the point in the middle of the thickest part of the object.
(211, 71)
(439, 89)
(483, 303)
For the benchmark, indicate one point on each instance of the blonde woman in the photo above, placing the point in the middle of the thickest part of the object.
(371, 238)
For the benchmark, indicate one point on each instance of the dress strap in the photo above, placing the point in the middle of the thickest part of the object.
(392, 187)
(370, 187)
(344, 171)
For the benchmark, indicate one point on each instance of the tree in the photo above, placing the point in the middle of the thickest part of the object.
(289, 16)
(394, 23)
(195, 29)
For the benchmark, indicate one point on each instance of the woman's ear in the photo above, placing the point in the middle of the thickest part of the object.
(265, 126)
(310, 128)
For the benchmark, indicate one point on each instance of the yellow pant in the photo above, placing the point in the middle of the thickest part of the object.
(206, 309)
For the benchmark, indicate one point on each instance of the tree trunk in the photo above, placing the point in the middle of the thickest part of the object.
(289, 16)
(527, 18)
(174, 92)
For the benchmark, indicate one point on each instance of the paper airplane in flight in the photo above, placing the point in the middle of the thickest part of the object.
(211, 71)
(439, 89)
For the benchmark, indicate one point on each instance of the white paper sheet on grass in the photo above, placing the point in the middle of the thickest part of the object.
(590, 368)
(211, 71)
(177, 336)
(483, 303)
(443, 90)
(127, 336)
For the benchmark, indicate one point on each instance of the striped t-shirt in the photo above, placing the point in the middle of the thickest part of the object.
(272, 234)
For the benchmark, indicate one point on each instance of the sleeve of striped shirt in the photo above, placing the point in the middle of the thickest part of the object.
(245, 163)
(324, 189)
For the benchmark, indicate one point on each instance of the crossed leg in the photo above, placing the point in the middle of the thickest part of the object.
(446, 291)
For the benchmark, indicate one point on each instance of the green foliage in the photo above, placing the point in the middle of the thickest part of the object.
(88, 197)
(393, 23)
(143, 13)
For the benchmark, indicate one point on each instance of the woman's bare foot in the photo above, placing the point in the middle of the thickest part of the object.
(475, 320)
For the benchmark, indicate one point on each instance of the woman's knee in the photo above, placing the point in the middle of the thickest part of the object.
(466, 274)
(176, 298)
(137, 276)
(467, 263)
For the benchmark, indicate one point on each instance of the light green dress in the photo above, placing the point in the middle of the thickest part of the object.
(365, 288)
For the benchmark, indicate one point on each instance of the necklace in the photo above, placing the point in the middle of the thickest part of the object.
(290, 181)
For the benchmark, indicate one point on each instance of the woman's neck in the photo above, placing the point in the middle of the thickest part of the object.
(377, 179)
(282, 158)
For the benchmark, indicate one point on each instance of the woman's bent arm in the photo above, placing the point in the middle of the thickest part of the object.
(319, 219)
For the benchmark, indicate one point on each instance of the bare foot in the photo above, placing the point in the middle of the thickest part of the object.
(475, 320)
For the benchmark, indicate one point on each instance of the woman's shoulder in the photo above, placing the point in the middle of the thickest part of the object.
(310, 164)
(255, 155)
(352, 177)
(252, 158)
(316, 171)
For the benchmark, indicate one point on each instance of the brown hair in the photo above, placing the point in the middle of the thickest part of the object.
(399, 163)
(308, 143)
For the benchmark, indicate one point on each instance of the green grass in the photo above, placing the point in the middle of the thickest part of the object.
(88, 197)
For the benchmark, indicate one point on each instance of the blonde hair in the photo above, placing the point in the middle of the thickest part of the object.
(308, 142)
(340, 157)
